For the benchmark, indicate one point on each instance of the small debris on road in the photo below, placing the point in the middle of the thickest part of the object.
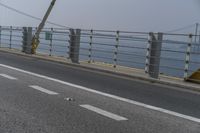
(69, 99)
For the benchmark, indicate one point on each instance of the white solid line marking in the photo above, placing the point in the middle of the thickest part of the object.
(104, 113)
(43, 90)
(107, 95)
(8, 76)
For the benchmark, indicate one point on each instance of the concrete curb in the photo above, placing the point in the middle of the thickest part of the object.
(65, 62)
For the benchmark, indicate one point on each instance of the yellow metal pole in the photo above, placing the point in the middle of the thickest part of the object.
(35, 40)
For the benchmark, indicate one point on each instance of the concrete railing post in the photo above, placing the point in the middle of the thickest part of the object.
(27, 39)
(24, 38)
(153, 55)
(74, 47)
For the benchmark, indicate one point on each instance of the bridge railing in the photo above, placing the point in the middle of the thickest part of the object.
(155, 53)
(114, 47)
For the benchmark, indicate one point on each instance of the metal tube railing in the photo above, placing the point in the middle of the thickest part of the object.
(115, 47)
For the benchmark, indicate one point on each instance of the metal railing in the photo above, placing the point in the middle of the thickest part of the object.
(177, 56)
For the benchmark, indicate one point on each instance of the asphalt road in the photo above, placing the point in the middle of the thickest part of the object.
(46, 97)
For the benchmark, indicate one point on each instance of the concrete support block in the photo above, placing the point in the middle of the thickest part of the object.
(27, 40)
(74, 47)
(155, 54)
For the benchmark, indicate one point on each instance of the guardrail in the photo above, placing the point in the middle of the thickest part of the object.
(156, 53)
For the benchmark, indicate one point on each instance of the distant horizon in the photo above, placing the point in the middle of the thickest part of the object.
(192, 31)
(129, 15)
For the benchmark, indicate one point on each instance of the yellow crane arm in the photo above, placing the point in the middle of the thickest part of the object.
(35, 39)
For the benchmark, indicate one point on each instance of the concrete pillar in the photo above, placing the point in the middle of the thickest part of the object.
(153, 58)
(74, 47)
(27, 40)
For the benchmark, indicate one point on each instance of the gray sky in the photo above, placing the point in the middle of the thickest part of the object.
(131, 15)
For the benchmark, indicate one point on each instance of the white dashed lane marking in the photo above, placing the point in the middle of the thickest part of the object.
(8, 76)
(43, 90)
(104, 113)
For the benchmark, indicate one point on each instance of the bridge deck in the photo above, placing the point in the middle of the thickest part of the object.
(38, 95)
(126, 72)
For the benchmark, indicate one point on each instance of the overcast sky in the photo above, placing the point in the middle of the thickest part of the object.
(131, 15)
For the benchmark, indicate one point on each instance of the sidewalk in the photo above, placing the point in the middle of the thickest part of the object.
(119, 71)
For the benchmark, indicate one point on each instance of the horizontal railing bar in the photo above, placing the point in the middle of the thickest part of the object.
(167, 50)
(84, 55)
(16, 40)
(121, 60)
(195, 53)
(169, 67)
(194, 62)
(131, 54)
(125, 46)
(61, 40)
(59, 51)
(106, 44)
(102, 57)
(100, 50)
(59, 45)
(46, 44)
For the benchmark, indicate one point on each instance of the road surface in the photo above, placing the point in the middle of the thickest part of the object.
(38, 96)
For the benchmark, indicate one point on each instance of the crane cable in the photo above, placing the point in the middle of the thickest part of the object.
(30, 16)
(182, 28)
